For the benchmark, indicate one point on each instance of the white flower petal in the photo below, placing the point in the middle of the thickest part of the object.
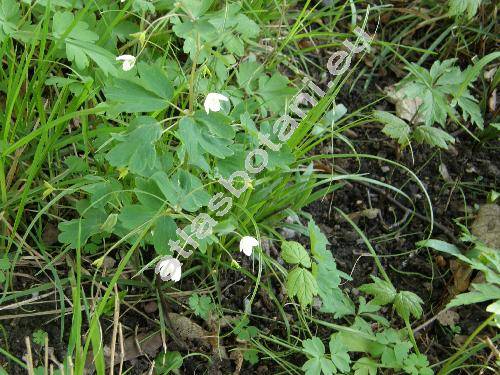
(247, 244)
(169, 269)
(176, 275)
(128, 62)
(212, 102)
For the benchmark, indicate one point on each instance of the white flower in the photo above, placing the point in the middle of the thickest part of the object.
(128, 62)
(169, 269)
(212, 102)
(247, 243)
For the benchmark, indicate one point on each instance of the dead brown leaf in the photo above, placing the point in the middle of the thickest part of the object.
(448, 318)
(237, 357)
(486, 226)
(461, 276)
(406, 108)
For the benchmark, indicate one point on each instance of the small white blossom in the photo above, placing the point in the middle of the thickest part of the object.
(212, 102)
(128, 62)
(247, 243)
(169, 269)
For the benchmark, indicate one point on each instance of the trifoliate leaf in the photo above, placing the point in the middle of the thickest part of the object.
(247, 75)
(294, 253)
(394, 126)
(328, 277)
(317, 362)
(408, 304)
(274, 91)
(301, 283)
(152, 91)
(9, 17)
(382, 291)
(182, 190)
(365, 366)
(251, 355)
(459, 7)
(135, 149)
(201, 305)
(339, 354)
(76, 232)
(80, 43)
(433, 136)
(417, 364)
(164, 231)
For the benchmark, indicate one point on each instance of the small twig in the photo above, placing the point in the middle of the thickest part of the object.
(122, 347)
(29, 356)
(46, 355)
(116, 318)
(429, 321)
(166, 313)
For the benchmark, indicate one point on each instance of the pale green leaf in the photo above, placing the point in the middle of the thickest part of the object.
(394, 126)
(301, 283)
(294, 253)
(433, 136)
(408, 304)
(382, 291)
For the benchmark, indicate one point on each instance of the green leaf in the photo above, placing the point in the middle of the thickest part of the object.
(417, 364)
(197, 7)
(80, 43)
(76, 164)
(313, 348)
(365, 366)
(4, 263)
(274, 91)
(152, 91)
(408, 303)
(247, 74)
(9, 17)
(470, 109)
(382, 291)
(459, 7)
(134, 216)
(164, 231)
(328, 277)
(76, 232)
(39, 337)
(317, 363)
(433, 136)
(197, 138)
(135, 149)
(294, 253)
(168, 362)
(301, 283)
(394, 126)
(339, 354)
(182, 190)
(251, 355)
(201, 305)
(479, 293)
(442, 246)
